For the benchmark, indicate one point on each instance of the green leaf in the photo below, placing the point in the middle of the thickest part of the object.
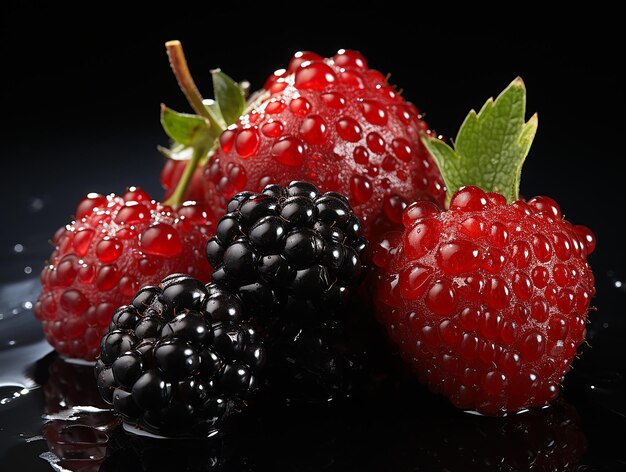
(214, 110)
(186, 129)
(229, 96)
(491, 145)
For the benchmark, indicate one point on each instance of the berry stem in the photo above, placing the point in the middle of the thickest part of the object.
(178, 62)
(178, 197)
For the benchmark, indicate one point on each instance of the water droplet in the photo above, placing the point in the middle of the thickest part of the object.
(247, 142)
(313, 129)
(300, 106)
(361, 188)
(315, 75)
(348, 129)
(289, 150)
(161, 240)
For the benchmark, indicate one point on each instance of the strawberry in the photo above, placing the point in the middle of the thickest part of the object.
(337, 124)
(488, 299)
(114, 246)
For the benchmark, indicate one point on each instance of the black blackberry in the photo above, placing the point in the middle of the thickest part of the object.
(180, 359)
(294, 255)
(291, 242)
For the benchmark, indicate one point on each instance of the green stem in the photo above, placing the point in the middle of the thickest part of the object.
(178, 197)
(178, 62)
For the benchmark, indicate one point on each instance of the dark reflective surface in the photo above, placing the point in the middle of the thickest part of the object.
(51, 416)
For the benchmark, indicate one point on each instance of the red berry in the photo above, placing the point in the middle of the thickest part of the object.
(339, 125)
(171, 174)
(500, 292)
(115, 246)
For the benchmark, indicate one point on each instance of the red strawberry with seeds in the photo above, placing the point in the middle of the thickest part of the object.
(487, 300)
(115, 245)
(337, 124)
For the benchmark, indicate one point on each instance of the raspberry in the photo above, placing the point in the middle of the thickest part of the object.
(294, 250)
(171, 174)
(337, 124)
(488, 300)
(181, 359)
(114, 246)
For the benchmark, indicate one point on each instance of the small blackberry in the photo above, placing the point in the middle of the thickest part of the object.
(294, 255)
(180, 359)
(288, 242)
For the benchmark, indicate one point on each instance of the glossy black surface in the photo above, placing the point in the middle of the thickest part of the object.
(82, 101)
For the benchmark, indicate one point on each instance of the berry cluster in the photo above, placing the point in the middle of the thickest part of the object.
(484, 294)
(288, 242)
(180, 359)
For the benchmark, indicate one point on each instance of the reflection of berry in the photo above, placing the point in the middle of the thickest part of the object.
(80, 442)
(114, 246)
(288, 242)
(488, 301)
(181, 359)
(133, 453)
(338, 124)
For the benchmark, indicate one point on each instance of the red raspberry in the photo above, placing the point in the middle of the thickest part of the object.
(337, 124)
(487, 301)
(114, 246)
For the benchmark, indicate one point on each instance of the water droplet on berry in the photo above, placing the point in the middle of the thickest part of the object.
(587, 236)
(441, 298)
(227, 139)
(497, 293)
(289, 150)
(132, 212)
(348, 129)
(419, 210)
(86, 274)
(375, 143)
(565, 300)
(352, 79)
(89, 203)
(393, 208)
(313, 129)
(545, 205)
(247, 142)
(498, 235)
(508, 331)
(74, 303)
(135, 194)
(542, 248)
(388, 164)
(314, 76)
(532, 347)
(468, 199)
(275, 106)
(562, 246)
(539, 310)
(348, 58)
(374, 112)
(300, 106)
(402, 149)
(489, 324)
(469, 347)
(458, 257)
(300, 58)
(161, 240)
(421, 238)
(109, 249)
(520, 254)
(361, 189)
(66, 271)
(107, 277)
(473, 226)
(522, 286)
(413, 281)
(333, 100)
(272, 129)
(494, 383)
(540, 276)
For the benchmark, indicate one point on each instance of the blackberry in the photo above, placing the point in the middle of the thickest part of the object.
(291, 242)
(180, 359)
(294, 256)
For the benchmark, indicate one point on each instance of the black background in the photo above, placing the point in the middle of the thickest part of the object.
(82, 89)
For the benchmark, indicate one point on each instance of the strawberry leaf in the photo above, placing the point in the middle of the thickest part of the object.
(214, 110)
(491, 145)
(229, 96)
(186, 129)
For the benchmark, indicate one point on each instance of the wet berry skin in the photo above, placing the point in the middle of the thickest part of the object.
(180, 359)
(288, 242)
(337, 124)
(487, 301)
(114, 246)
(294, 256)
